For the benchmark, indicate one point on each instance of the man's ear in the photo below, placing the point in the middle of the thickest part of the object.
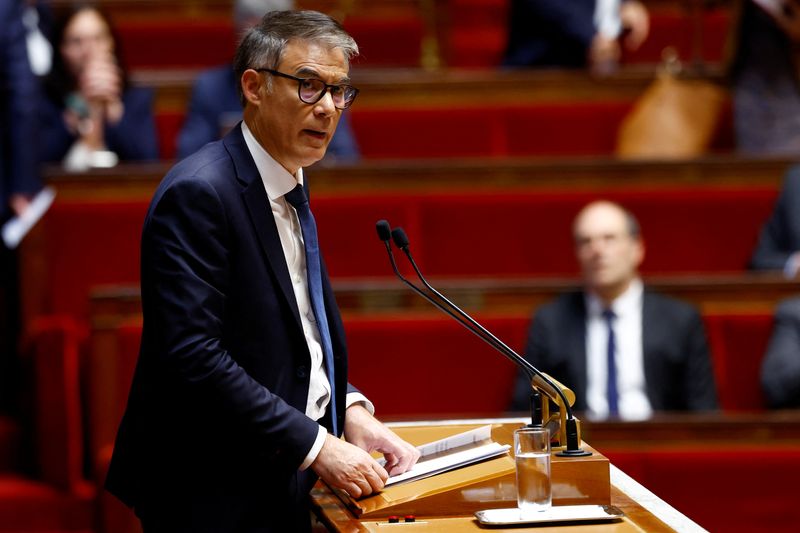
(251, 86)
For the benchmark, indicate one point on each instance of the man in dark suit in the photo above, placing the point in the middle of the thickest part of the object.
(780, 369)
(215, 106)
(624, 351)
(240, 392)
(578, 33)
(778, 246)
(19, 180)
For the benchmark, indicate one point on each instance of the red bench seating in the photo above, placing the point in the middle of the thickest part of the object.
(54, 497)
(546, 129)
(472, 34)
(453, 234)
(203, 43)
(722, 488)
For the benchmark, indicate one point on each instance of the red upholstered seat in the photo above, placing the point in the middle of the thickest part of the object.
(425, 366)
(738, 342)
(725, 488)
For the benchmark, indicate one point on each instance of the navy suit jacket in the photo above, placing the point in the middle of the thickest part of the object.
(780, 369)
(549, 33)
(18, 99)
(215, 107)
(133, 138)
(677, 366)
(215, 430)
(780, 236)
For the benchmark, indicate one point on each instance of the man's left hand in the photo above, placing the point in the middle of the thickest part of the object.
(365, 431)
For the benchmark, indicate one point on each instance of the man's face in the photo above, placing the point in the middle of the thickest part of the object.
(608, 255)
(294, 133)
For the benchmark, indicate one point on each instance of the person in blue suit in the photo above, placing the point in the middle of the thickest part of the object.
(90, 107)
(573, 34)
(240, 393)
(215, 107)
(19, 179)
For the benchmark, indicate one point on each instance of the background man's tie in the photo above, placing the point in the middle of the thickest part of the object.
(611, 384)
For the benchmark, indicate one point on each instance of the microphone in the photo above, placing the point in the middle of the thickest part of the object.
(540, 380)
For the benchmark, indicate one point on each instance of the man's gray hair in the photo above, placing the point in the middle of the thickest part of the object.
(263, 46)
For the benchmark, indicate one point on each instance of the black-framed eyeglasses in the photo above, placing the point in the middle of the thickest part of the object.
(311, 90)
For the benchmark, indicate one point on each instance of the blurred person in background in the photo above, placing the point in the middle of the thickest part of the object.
(624, 351)
(778, 247)
(91, 117)
(19, 180)
(215, 106)
(574, 33)
(764, 74)
(780, 369)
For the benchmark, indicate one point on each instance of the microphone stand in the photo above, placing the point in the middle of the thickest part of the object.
(569, 429)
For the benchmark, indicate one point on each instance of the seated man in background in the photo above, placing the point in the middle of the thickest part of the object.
(624, 351)
(215, 107)
(778, 245)
(577, 33)
(780, 369)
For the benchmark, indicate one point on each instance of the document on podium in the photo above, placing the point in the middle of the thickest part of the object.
(17, 227)
(452, 452)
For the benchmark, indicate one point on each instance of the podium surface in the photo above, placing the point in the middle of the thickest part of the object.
(447, 502)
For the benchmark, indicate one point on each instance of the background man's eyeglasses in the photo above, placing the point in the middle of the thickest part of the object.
(311, 90)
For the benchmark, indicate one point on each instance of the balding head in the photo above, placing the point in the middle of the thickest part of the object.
(608, 247)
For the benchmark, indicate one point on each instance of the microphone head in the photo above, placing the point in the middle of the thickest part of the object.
(384, 230)
(400, 238)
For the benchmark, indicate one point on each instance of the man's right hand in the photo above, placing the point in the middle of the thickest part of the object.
(344, 466)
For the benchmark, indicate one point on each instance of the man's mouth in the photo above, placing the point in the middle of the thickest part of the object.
(315, 133)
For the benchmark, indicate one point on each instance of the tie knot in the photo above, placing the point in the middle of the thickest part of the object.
(609, 315)
(296, 196)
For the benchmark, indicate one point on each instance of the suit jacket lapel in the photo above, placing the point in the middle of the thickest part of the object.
(649, 344)
(257, 202)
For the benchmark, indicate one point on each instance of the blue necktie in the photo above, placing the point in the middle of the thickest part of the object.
(297, 197)
(611, 384)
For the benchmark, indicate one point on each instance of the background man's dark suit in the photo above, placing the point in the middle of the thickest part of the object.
(780, 236)
(677, 365)
(215, 106)
(554, 33)
(222, 431)
(780, 369)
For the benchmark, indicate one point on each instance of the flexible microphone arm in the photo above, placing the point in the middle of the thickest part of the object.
(384, 233)
(543, 382)
(540, 380)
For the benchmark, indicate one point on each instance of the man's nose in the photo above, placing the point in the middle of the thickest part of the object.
(325, 105)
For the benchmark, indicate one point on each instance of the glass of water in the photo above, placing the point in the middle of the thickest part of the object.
(532, 453)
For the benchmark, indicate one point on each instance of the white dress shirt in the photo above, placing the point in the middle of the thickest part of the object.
(629, 355)
(606, 18)
(277, 182)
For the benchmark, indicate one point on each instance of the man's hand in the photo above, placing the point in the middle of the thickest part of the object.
(604, 54)
(636, 20)
(19, 203)
(366, 432)
(347, 467)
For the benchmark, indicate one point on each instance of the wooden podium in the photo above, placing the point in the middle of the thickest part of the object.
(447, 502)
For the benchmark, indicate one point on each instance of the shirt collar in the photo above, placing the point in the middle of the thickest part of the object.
(277, 180)
(624, 304)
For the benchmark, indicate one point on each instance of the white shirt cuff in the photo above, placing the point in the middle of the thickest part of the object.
(357, 397)
(792, 266)
(314, 451)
